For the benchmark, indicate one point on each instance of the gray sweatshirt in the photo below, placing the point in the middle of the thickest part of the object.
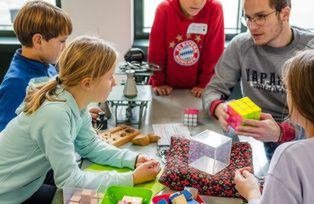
(290, 178)
(259, 68)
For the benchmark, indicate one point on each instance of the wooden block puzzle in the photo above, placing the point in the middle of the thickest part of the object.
(85, 196)
(132, 200)
(119, 135)
(179, 200)
(240, 109)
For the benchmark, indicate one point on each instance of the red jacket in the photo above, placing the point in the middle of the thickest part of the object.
(187, 60)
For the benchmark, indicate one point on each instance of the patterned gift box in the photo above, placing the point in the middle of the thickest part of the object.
(177, 173)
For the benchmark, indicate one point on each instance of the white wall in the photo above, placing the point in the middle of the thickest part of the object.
(111, 20)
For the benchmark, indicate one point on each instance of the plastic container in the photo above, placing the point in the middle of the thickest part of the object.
(157, 198)
(115, 193)
(210, 152)
(79, 195)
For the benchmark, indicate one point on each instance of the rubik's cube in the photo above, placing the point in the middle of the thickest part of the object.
(190, 117)
(240, 109)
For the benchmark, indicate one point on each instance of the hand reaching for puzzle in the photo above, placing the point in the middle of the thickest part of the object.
(146, 172)
(94, 113)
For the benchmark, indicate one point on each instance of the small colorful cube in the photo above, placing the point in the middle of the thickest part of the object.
(190, 117)
(180, 199)
(240, 109)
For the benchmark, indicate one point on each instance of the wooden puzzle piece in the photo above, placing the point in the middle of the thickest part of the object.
(143, 140)
(85, 196)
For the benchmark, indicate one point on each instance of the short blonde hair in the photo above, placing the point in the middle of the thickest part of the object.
(42, 18)
(84, 57)
(299, 79)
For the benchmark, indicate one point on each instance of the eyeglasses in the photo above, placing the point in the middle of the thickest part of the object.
(258, 20)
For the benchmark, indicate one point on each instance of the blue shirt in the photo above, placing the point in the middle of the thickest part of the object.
(15, 81)
(32, 144)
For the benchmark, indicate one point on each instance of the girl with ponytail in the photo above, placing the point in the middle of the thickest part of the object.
(54, 124)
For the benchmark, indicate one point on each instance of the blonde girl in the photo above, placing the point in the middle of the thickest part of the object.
(54, 124)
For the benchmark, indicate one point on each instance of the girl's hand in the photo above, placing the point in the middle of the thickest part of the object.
(142, 159)
(246, 184)
(94, 113)
(146, 172)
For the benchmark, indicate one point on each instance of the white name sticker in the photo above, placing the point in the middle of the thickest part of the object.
(197, 28)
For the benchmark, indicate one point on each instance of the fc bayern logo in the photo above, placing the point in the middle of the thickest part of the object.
(186, 53)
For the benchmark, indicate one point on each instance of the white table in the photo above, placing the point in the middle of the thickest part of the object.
(169, 109)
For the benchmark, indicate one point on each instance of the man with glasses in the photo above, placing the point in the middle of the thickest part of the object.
(255, 59)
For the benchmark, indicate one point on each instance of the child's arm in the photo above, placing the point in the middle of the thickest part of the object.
(213, 47)
(55, 132)
(96, 150)
(89, 146)
(157, 50)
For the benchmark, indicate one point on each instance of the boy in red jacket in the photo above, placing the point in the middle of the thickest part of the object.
(186, 41)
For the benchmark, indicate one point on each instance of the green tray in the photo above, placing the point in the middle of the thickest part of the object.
(155, 186)
(116, 193)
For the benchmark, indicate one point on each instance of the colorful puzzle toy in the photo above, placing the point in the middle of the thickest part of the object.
(189, 195)
(240, 109)
(190, 117)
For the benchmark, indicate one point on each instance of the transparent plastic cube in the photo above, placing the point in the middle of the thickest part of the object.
(210, 152)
